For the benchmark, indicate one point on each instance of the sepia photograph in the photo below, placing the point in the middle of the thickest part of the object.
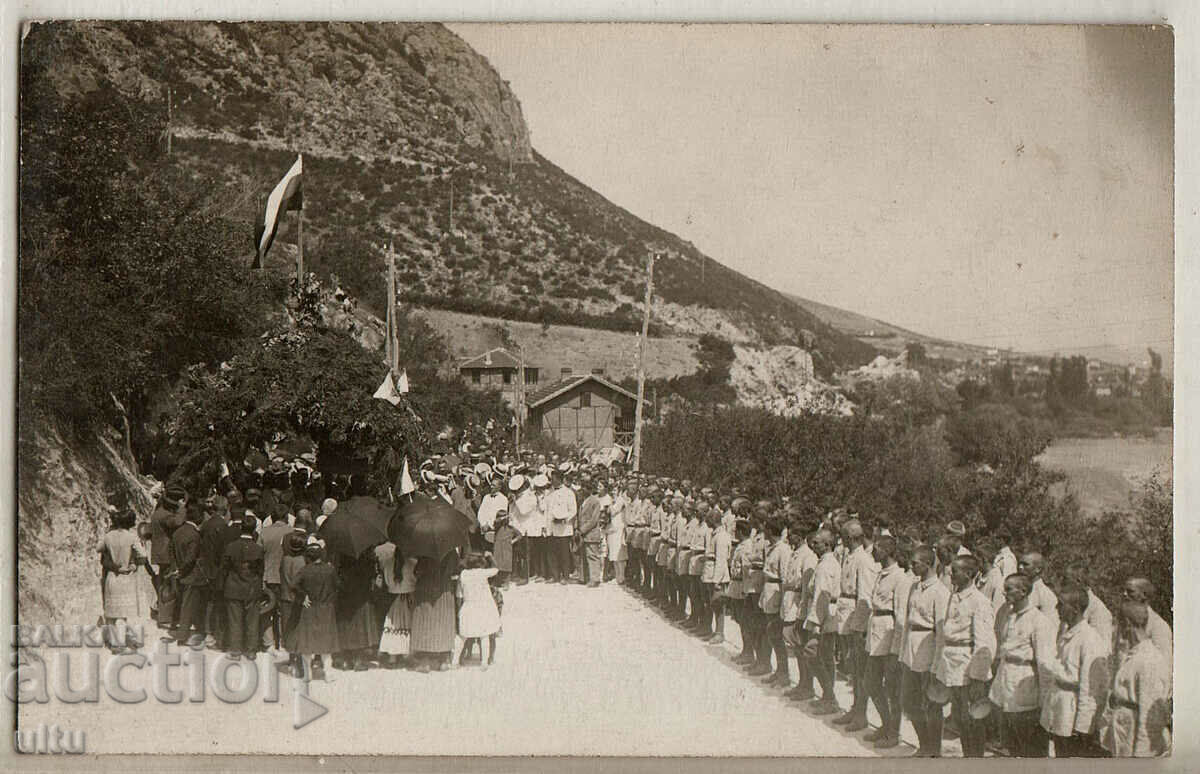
(570, 389)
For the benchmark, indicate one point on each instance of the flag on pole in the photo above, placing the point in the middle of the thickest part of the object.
(402, 382)
(387, 391)
(287, 195)
(406, 482)
(388, 344)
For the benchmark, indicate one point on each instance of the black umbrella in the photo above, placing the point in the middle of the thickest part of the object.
(367, 509)
(429, 527)
(351, 534)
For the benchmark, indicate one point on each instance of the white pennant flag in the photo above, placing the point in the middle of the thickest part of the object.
(402, 382)
(387, 391)
(406, 482)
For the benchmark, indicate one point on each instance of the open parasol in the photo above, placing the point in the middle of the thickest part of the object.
(368, 509)
(352, 531)
(429, 527)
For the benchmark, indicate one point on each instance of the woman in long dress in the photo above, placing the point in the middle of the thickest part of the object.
(396, 641)
(315, 633)
(358, 628)
(290, 603)
(124, 594)
(433, 618)
(479, 616)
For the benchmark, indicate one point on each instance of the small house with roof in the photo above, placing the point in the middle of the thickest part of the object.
(585, 410)
(498, 369)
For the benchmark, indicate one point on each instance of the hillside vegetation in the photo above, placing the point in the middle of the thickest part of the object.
(410, 138)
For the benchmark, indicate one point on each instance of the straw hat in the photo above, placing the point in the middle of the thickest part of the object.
(980, 708)
(937, 691)
(516, 482)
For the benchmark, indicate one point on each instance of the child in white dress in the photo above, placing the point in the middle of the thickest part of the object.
(478, 617)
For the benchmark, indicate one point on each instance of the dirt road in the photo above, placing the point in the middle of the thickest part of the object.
(579, 671)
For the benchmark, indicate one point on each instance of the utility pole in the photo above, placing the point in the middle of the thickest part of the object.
(520, 392)
(169, 116)
(393, 339)
(641, 370)
(452, 203)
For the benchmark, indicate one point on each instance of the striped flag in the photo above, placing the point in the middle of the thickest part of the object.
(287, 195)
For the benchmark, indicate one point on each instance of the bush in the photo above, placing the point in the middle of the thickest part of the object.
(995, 434)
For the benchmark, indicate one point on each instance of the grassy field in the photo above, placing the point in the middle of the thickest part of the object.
(1103, 472)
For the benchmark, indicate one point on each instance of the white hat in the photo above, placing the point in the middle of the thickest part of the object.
(540, 480)
(321, 520)
(516, 482)
(565, 467)
(329, 506)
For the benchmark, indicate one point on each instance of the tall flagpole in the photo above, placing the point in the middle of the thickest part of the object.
(300, 247)
(389, 348)
(394, 333)
(641, 370)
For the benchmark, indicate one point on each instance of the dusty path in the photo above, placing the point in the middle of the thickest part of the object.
(579, 671)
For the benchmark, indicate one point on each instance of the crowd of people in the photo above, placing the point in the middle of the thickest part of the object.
(958, 635)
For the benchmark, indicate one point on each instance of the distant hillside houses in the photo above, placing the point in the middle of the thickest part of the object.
(1031, 373)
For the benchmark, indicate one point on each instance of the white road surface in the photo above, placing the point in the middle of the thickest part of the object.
(579, 672)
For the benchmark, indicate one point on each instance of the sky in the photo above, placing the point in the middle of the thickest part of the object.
(1004, 186)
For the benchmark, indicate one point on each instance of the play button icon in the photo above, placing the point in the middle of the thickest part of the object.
(305, 710)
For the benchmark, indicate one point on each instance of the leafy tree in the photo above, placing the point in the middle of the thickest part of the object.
(716, 356)
(904, 400)
(1071, 379)
(916, 354)
(317, 382)
(1156, 393)
(127, 268)
(995, 434)
(973, 393)
(1001, 379)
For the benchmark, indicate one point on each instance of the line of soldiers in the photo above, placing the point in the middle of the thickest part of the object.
(913, 626)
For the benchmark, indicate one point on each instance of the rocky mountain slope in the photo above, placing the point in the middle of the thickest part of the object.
(411, 138)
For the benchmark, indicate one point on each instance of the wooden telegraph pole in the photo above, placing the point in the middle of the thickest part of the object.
(170, 116)
(641, 369)
(520, 407)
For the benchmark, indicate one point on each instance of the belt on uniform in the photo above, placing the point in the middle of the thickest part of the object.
(881, 612)
(1018, 661)
(1113, 701)
(959, 643)
(919, 628)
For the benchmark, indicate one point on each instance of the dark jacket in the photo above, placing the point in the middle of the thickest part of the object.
(185, 555)
(243, 569)
(213, 539)
(590, 527)
(163, 523)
